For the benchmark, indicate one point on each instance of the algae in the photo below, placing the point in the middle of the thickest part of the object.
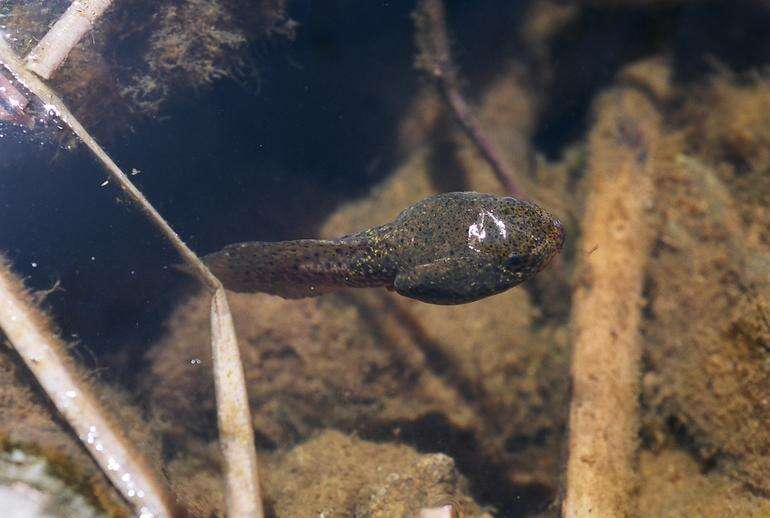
(28, 426)
(181, 47)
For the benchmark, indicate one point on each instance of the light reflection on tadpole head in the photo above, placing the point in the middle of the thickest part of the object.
(486, 228)
(518, 235)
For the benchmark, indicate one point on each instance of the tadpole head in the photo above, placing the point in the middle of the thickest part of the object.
(519, 235)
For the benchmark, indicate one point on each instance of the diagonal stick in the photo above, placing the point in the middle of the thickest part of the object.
(235, 431)
(53, 49)
(45, 356)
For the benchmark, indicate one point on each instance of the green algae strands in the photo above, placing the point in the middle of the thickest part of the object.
(450, 248)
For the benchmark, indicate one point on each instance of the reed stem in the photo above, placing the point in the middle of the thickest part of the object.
(55, 46)
(44, 354)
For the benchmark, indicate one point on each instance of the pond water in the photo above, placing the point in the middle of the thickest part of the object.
(277, 120)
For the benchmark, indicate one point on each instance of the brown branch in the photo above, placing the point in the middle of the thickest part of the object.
(434, 58)
(606, 311)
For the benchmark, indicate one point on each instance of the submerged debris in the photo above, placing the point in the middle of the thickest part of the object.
(29, 488)
(333, 474)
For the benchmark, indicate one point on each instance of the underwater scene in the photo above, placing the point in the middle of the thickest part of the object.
(384, 258)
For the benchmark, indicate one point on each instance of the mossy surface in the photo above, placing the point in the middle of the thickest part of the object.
(28, 423)
(674, 485)
(180, 47)
(333, 474)
(709, 289)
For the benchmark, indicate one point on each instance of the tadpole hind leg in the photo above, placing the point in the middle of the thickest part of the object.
(451, 280)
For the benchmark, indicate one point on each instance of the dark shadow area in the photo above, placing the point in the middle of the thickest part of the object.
(62, 224)
(484, 39)
(262, 160)
(587, 55)
(440, 363)
(733, 34)
(685, 440)
(444, 169)
(590, 50)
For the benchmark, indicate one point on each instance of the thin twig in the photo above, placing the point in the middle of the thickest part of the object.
(434, 58)
(238, 443)
(235, 431)
(53, 49)
(44, 354)
(606, 308)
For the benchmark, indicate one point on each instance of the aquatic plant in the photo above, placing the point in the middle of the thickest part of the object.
(196, 44)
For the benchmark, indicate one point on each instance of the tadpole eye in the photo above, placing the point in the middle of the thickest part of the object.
(515, 262)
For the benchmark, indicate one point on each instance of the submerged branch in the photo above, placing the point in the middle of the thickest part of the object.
(53, 49)
(434, 58)
(235, 431)
(44, 354)
(617, 236)
(234, 412)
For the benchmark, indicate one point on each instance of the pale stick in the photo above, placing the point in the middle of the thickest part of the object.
(606, 307)
(29, 333)
(235, 432)
(53, 49)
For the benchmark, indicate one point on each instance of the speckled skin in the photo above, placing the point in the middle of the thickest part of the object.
(450, 248)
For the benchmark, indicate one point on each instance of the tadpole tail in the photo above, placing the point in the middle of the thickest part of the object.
(290, 269)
